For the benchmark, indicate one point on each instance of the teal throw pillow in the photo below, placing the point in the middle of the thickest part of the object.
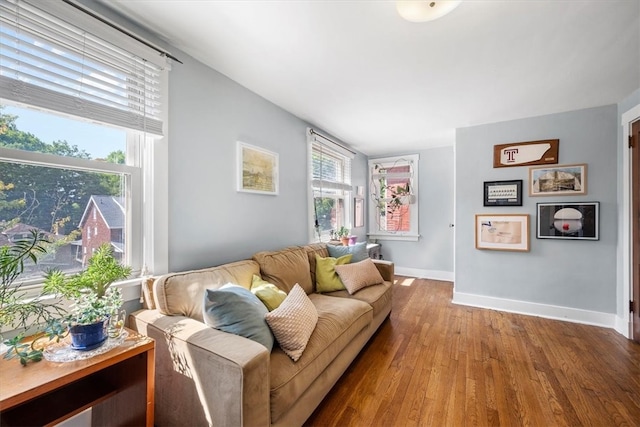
(359, 251)
(236, 310)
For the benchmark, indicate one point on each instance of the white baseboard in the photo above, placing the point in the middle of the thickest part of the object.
(623, 326)
(596, 318)
(425, 274)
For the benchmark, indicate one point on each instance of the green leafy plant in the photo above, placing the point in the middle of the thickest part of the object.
(18, 311)
(89, 290)
(343, 232)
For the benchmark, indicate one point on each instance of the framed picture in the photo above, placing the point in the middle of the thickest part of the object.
(257, 170)
(503, 193)
(568, 221)
(561, 180)
(358, 212)
(502, 232)
(526, 153)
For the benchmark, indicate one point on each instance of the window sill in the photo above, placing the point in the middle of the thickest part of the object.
(397, 237)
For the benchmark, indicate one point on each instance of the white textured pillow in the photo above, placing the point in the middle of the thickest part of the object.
(293, 322)
(359, 275)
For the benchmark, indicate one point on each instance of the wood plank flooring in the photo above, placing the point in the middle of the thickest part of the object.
(433, 363)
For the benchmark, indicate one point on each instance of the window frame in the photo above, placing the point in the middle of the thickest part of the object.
(412, 234)
(345, 157)
(146, 156)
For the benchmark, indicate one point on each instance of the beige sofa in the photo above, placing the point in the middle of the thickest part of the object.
(208, 377)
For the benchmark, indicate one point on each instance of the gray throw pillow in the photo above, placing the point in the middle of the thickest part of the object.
(359, 251)
(236, 310)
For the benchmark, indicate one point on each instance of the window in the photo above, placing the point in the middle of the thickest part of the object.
(393, 189)
(79, 113)
(330, 176)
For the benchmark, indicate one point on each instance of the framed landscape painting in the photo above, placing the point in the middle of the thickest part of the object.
(502, 232)
(578, 221)
(561, 180)
(257, 170)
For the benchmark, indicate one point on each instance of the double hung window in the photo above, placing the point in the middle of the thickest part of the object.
(330, 176)
(393, 187)
(81, 105)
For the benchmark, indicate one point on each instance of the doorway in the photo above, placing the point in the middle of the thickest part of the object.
(634, 143)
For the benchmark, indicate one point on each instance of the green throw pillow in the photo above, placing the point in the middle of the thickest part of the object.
(327, 280)
(270, 295)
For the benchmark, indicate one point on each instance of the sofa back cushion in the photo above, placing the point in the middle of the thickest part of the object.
(285, 268)
(312, 250)
(181, 294)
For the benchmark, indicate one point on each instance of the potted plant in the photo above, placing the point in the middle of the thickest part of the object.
(19, 311)
(94, 301)
(343, 235)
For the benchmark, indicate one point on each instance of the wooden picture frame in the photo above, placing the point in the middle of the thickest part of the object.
(574, 221)
(561, 180)
(526, 153)
(503, 193)
(257, 170)
(502, 232)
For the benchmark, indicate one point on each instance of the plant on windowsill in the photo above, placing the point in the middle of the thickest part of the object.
(343, 235)
(390, 198)
(18, 311)
(95, 304)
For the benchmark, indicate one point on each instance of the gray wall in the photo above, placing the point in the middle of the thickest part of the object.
(210, 223)
(568, 273)
(432, 254)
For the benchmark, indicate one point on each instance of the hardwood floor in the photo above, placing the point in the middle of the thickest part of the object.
(434, 363)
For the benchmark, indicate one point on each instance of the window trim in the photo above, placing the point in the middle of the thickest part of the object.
(413, 234)
(335, 149)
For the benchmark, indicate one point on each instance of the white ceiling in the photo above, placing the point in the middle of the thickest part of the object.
(381, 84)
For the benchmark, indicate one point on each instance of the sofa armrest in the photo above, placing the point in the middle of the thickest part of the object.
(386, 269)
(205, 376)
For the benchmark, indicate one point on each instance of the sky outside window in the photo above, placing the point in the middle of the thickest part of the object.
(97, 140)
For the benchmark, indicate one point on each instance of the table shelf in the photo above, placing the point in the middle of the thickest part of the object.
(118, 385)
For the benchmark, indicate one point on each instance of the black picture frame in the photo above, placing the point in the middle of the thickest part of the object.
(503, 193)
(570, 220)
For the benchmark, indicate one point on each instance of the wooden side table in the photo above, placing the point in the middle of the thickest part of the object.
(118, 385)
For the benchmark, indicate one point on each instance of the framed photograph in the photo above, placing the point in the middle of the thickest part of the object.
(502, 232)
(257, 170)
(503, 193)
(358, 212)
(561, 180)
(568, 221)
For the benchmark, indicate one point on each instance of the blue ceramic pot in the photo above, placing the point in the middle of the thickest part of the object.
(88, 337)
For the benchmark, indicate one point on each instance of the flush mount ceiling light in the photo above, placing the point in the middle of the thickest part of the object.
(425, 10)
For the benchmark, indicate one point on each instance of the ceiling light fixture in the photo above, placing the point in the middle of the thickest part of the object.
(425, 10)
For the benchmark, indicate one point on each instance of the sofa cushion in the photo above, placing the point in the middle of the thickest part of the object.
(293, 322)
(359, 251)
(327, 280)
(236, 310)
(312, 250)
(359, 275)
(377, 296)
(340, 320)
(181, 294)
(270, 295)
(285, 268)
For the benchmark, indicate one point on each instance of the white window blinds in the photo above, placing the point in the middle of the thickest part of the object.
(331, 170)
(48, 62)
